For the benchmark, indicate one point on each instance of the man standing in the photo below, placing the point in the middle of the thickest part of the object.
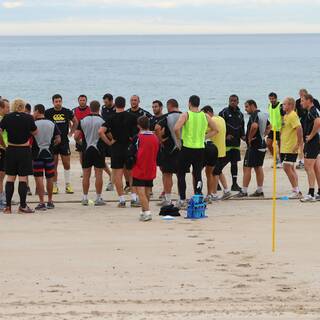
(291, 139)
(157, 107)
(234, 133)
(87, 134)
(118, 131)
(81, 112)
(4, 109)
(275, 116)
(107, 110)
(302, 113)
(43, 162)
(258, 127)
(311, 149)
(169, 150)
(194, 125)
(64, 119)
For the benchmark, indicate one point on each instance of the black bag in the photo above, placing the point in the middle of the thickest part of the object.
(170, 210)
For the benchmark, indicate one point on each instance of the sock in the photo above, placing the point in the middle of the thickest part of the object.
(67, 176)
(99, 196)
(23, 189)
(244, 190)
(311, 192)
(296, 190)
(9, 192)
(226, 190)
(85, 197)
(167, 196)
(260, 189)
(134, 196)
(122, 199)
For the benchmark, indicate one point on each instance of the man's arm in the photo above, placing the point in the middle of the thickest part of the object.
(74, 126)
(212, 125)
(253, 131)
(159, 132)
(77, 135)
(104, 138)
(315, 130)
(299, 138)
(179, 124)
(2, 144)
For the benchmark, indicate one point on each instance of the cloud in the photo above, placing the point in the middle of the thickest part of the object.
(12, 4)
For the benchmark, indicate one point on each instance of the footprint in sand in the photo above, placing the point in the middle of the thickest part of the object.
(235, 253)
(193, 236)
(241, 286)
(244, 265)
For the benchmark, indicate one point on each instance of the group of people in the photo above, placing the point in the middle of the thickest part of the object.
(138, 142)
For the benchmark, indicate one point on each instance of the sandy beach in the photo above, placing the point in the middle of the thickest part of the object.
(79, 262)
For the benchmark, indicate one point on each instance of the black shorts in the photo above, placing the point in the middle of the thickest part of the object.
(2, 159)
(233, 155)
(41, 166)
(119, 155)
(288, 157)
(311, 150)
(190, 157)
(93, 158)
(254, 158)
(270, 135)
(168, 162)
(63, 149)
(221, 163)
(18, 161)
(210, 154)
(107, 151)
(142, 183)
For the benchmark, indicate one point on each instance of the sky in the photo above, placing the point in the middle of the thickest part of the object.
(104, 17)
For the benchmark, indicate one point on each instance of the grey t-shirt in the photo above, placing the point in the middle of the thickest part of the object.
(90, 126)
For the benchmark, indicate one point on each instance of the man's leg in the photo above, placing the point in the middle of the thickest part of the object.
(99, 182)
(143, 198)
(67, 173)
(86, 185)
(270, 145)
(291, 174)
(56, 163)
(309, 165)
(167, 185)
(117, 176)
(2, 194)
(317, 172)
(49, 189)
(210, 180)
(40, 188)
(246, 178)
(9, 189)
(23, 190)
(260, 178)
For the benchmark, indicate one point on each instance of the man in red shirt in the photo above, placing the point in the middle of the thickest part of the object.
(81, 112)
(145, 168)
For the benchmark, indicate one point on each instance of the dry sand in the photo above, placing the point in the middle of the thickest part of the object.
(102, 263)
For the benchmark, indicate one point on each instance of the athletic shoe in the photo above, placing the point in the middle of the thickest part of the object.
(85, 202)
(214, 198)
(162, 196)
(2, 205)
(25, 210)
(164, 203)
(317, 197)
(126, 189)
(121, 204)
(182, 204)
(50, 205)
(29, 193)
(257, 194)
(7, 210)
(41, 207)
(226, 195)
(69, 189)
(109, 186)
(207, 199)
(55, 189)
(99, 202)
(308, 198)
(235, 187)
(145, 216)
(300, 165)
(295, 195)
(241, 194)
(135, 204)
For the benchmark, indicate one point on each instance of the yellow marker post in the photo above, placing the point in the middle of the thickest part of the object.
(274, 199)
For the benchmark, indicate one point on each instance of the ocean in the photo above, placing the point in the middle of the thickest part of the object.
(159, 67)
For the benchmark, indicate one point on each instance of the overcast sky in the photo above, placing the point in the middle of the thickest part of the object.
(76, 17)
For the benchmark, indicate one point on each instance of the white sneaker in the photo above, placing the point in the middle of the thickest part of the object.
(164, 203)
(226, 195)
(145, 216)
(182, 204)
(308, 198)
(295, 195)
(215, 198)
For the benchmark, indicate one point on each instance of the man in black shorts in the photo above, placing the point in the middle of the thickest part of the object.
(4, 109)
(311, 148)
(234, 134)
(63, 118)
(20, 127)
(257, 129)
(118, 131)
(107, 110)
(169, 151)
(43, 162)
(93, 148)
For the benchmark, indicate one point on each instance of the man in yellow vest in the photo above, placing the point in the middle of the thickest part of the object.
(275, 116)
(191, 132)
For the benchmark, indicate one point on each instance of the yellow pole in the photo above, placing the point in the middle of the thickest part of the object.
(274, 191)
